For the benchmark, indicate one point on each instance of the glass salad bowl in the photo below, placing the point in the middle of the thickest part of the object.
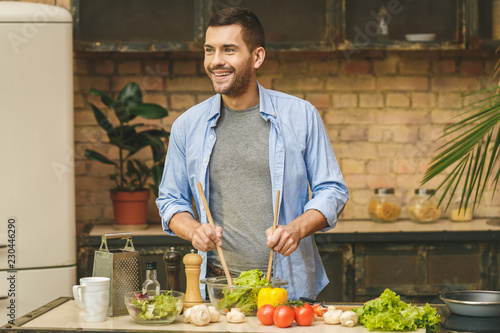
(152, 309)
(225, 297)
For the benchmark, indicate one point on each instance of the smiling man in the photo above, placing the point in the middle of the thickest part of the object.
(242, 145)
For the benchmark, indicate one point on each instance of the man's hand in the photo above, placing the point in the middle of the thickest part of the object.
(284, 240)
(205, 238)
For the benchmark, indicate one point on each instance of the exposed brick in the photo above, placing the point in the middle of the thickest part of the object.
(353, 166)
(403, 83)
(85, 117)
(155, 98)
(353, 133)
(298, 84)
(403, 117)
(355, 149)
(181, 84)
(454, 84)
(444, 116)
(354, 181)
(355, 67)
(345, 100)
(377, 133)
(386, 66)
(325, 67)
(471, 67)
(87, 183)
(450, 100)
(87, 213)
(129, 67)
(184, 67)
(414, 66)
(96, 100)
(157, 67)
(181, 101)
(445, 66)
(145, 82)
(266, 82)
(353, 83)
(102, 66)
(80, 66)
(397, 100)
(269, 67)
(378, 166)
(319, 100)
(296, 67)
(423, 99)
(64, 4)
(406, 134)
(371, 100)
(84, 83)
(78, 101)
(350, 116)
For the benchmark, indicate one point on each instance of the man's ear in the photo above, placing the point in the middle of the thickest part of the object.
(258, 57)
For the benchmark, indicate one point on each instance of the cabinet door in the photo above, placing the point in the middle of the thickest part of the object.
(484, 24)
(290, 24)
(419, 271)
(412, 25)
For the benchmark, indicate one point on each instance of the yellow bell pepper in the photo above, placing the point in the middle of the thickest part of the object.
(273, 296)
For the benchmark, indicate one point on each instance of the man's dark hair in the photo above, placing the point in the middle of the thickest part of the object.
(253, 32)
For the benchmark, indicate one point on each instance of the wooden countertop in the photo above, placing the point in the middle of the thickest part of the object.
(345, 231)
(65, 316)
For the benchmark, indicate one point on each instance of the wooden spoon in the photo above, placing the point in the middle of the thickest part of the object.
(219, 249)
(275, 222)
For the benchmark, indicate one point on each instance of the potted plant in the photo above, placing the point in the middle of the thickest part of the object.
(130, 136)
(472, 151)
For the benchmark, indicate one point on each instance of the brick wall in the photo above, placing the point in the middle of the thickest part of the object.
(384, 111)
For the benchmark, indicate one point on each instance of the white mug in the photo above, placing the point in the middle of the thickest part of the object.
(92, 296)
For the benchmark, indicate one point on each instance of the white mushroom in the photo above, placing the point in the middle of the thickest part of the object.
(235, 316)
(349, 319)
(187, 314)
(200, 315)
(332, 316)
(214, 314)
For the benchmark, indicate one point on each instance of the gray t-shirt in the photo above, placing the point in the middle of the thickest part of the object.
(240, 187)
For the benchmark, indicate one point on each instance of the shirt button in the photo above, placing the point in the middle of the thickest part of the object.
(211, 136)
(205, 160)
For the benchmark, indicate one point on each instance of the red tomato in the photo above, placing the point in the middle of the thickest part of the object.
(265, 314)
(304, 315)
(283, 316)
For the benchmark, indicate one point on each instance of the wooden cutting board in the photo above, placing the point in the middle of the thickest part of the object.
(68, 317)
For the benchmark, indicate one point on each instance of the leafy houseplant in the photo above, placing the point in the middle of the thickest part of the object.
(131, 175)
(473, 150)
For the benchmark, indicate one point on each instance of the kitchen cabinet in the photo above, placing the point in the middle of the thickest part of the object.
(362, 258)
(316, 25)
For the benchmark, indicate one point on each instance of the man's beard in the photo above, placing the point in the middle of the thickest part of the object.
(238, 86)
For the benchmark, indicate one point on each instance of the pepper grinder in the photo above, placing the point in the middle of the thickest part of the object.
(192, 262)
(173, 260)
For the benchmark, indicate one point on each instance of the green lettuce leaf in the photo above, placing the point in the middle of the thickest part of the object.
(389, 313)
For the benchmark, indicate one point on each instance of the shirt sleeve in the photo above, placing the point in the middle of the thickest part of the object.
(174, 194)
(329, 191)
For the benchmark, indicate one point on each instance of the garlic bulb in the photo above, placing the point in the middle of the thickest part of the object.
(349, 319)
(235, 316)
(200, 315)
(187, 314)
(214, 314)
(332, 316)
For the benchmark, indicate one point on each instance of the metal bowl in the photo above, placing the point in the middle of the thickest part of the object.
(473, 303)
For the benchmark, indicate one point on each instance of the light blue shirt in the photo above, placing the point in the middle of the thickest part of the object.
(300, 155)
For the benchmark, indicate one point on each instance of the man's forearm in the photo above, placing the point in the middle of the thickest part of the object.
(309, 222)
(183, 225)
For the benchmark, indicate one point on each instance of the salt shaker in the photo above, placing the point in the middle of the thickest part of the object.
(192, 262)
(173, 260)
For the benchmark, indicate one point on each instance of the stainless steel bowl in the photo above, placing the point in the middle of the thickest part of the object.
(474, 303)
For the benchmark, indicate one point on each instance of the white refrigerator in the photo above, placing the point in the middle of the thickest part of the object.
(37, 193)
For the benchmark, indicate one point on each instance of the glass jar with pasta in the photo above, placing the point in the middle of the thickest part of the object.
(423, 207)
(384, 206)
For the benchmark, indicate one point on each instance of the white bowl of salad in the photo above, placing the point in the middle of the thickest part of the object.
(154, 309)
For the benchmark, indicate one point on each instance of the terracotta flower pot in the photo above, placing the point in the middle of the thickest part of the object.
(130, 209)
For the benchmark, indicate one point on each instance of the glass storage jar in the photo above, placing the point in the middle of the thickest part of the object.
(384, 206)
(423, 207)
(457, 212)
